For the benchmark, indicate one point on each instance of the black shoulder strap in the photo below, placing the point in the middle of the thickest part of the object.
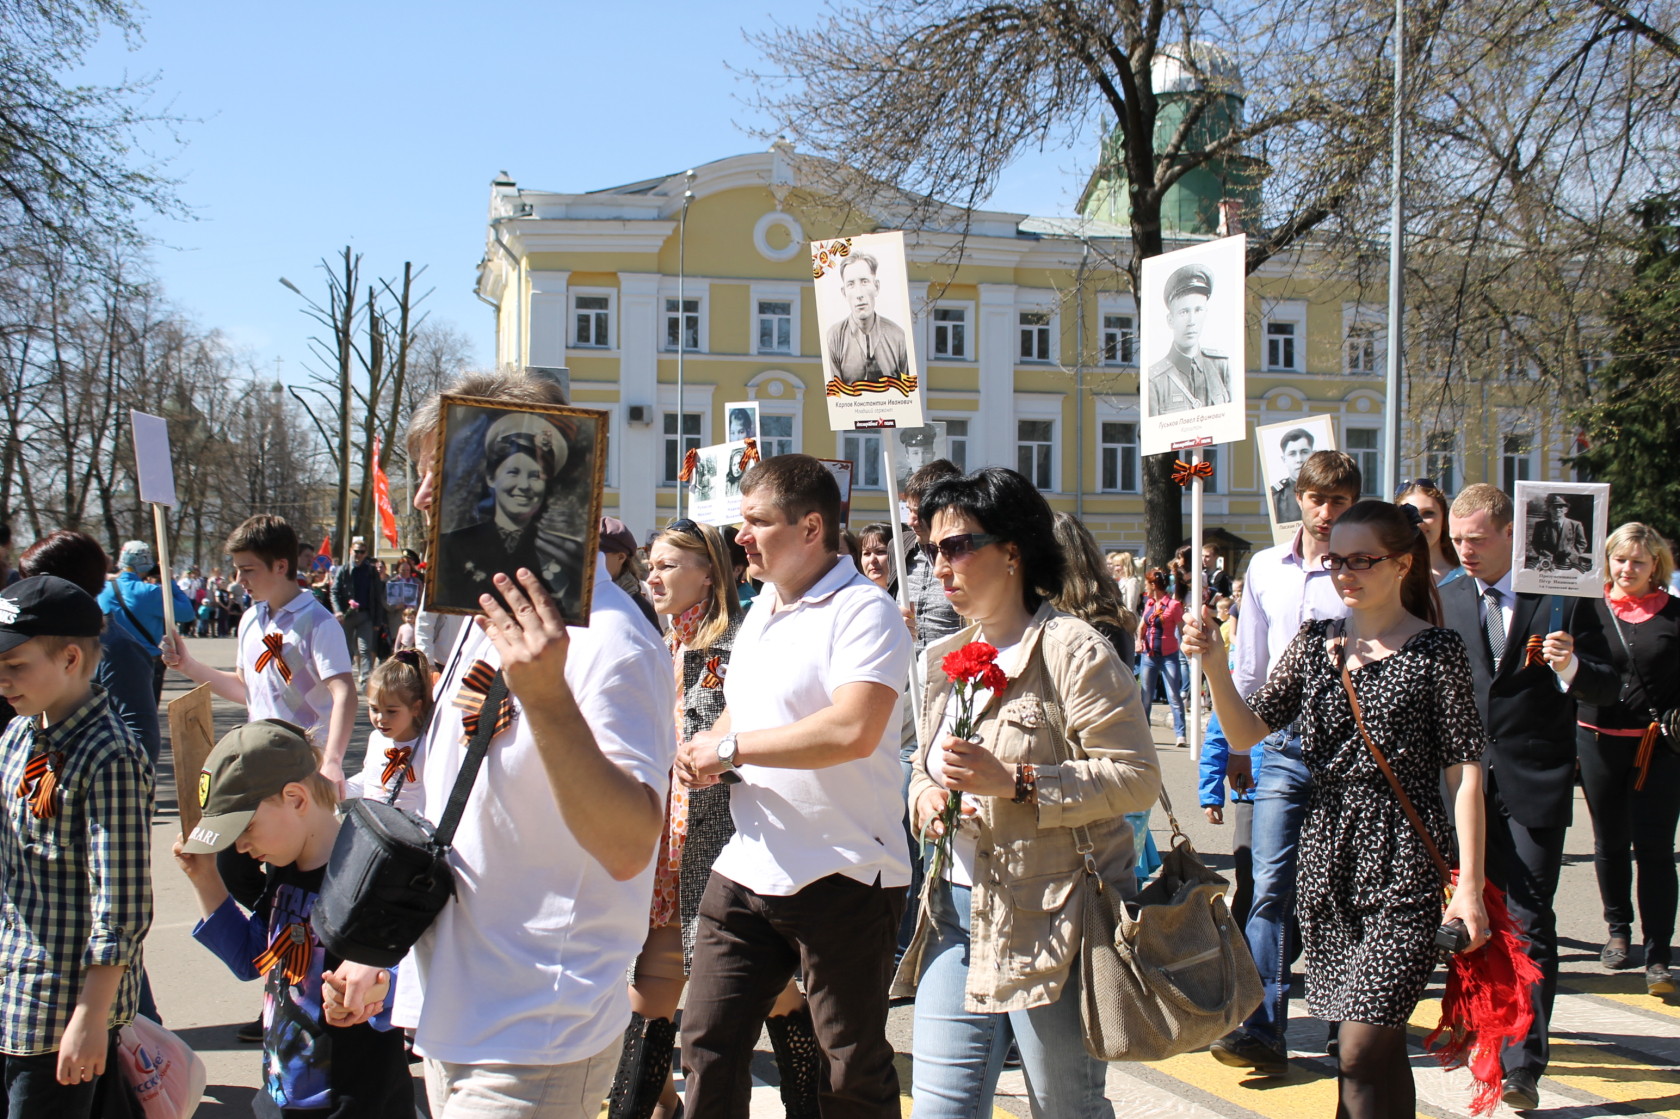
(476, 749)
(1633, 665)
(116, 587)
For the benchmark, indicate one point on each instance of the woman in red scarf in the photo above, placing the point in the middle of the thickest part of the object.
(1628, 761)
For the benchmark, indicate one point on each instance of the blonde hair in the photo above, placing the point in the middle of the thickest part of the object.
(1127, 562)
(1637, 535)
(723, 605)
(322, 792)
(1483, 498)
(407, 677)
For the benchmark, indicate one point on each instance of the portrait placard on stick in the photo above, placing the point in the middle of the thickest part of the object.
(1284, 449)
(842, 469)
(741, 420)
(517, 487)
(871, 374)
(154, 470)
(1558, 538)
(1193, 388)
(917, 446)
(714, 489)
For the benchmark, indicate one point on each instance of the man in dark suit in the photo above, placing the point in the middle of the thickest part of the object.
(1528, 710)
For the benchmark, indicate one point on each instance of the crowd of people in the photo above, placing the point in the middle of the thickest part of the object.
(709, 812)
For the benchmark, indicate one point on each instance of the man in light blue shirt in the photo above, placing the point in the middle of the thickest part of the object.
(137, 605)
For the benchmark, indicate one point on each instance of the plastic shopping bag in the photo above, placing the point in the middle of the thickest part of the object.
(167, 1076)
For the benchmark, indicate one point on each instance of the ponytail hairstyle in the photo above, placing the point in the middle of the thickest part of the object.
(1400, 529)
(406, 677)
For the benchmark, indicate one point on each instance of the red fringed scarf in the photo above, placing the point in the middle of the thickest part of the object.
(475, 685)
(1489, 1002)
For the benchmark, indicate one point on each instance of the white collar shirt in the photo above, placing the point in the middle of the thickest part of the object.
(311, 644)
(526, 966)
(1280, 593)
(794, 826)
(1507, 602)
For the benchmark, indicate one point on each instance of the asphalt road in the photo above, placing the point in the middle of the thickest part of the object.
(1616, 1050)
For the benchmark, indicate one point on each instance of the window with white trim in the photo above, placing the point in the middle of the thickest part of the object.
(1280, 344)
(1119, 340)
(1210, 484)
(1362, 448)
(956, 442)
(592, 320)
(775, 435)
(775, 326)
(1361, 347)
(1035, 335)
(676, 448)
(687, 322)
(1439, 447)
(1034, 450)
(864, 451)
(1118, 456)
(1516, 461)
(950, 333)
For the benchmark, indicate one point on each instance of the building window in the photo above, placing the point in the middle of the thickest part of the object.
(1361, 350)
(1033, 443)
(865, 453)
(1210, 455)
(956, 436)
(1280, 345)
(775, 326)
(1438, 460)
(1119, 451)
(1035, 335)
(675, 449)
(1518, 462)
(1362, 446)
(950, 332)
(688, 322)
(775, 436)
(594, 320)
(1119, 340)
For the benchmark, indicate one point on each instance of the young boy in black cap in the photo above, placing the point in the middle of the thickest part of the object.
(77, 860)
(262, 791)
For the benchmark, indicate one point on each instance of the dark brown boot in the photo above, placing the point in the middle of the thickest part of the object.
(642, 1067)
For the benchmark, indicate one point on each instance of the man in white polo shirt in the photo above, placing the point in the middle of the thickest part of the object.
(814, 877)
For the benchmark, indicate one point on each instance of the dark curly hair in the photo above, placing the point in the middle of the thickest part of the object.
(1008, 506)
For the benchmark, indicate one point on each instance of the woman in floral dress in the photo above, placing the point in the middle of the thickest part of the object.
(692, 584)
(1370, 896)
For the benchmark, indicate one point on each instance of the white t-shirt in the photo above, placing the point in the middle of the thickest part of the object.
(313, 647)
(966, 842)
(794, 826)
(526, 966)
(367, 783)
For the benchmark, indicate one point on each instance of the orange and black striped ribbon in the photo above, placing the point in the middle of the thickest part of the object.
(749, 453)
(40, 784)
(689, 459)
(397, 760)
(273, 643)
(475, 685)
(1642, 760)
(1183, 471)
(290, 949)
(714, 675)
(1535, 647)
(905, 385)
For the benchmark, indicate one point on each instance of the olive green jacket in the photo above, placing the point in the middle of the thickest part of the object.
(1027, 905)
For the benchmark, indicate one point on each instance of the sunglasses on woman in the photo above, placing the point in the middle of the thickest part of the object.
(1420, 483)
(955, 547)
(1333, 562)
(686, 527)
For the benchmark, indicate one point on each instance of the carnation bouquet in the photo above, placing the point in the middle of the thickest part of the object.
(972, 669)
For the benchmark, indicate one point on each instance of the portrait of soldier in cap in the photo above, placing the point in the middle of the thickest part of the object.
(1297, 447)
(865, 347)
(1190, 376)
(918, 446)
(1558, 540)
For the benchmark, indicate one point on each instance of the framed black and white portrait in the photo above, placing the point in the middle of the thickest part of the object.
(1192, 314)
(714, 490)
(917, 446)
(1558, 538)
(516, 487)
(1284, 448)
(871, 373)
(740, 420)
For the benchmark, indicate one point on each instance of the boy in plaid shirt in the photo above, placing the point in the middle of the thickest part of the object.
(75, 856)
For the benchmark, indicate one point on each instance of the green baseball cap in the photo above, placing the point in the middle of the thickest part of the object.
(250, 764)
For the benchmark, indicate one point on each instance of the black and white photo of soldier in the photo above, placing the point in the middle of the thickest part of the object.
(1191, 375)
(866, 346)
(1297, 447)
(1558, 540)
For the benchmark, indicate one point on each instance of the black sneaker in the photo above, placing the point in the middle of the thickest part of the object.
(1522, 1090)
(1657, 980)
(1243, 1050)
(251, 1032)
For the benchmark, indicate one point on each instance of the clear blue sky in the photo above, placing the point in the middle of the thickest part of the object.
(380, 125)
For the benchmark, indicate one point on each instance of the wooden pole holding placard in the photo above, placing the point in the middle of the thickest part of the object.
(902, 567)
(1194, 607)
(160, 526)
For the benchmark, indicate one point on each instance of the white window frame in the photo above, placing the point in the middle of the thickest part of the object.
(1432, 461)
(1512, 463)
(1370, 477)
(1039, 406)
(784, 405)
(572, 296)
(692, 289)
(781, 293)
(1052, 311)
(969, 418)
(969, 323)
(1117, 305)
(861, 461)
(1359, 320)
(1104, 446)
(1294, 312)
(696, 398)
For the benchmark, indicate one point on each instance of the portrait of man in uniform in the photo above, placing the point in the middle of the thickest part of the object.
(1191, 375)
(1557, 538)
(866, 346)
(1297, 447)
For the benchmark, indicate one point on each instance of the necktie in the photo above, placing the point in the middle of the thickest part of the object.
(1495, 626)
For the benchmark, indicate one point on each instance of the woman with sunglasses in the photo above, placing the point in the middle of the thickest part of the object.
(1159, 624)
(1370, 895)
(995, 954)
(1432, 505)
(692, 583)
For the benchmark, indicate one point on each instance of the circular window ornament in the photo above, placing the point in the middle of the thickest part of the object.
(1363, 404)
(788, 227)
(1285, 403)
(775, 388)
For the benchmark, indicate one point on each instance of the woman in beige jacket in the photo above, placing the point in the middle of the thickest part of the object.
(998, 936)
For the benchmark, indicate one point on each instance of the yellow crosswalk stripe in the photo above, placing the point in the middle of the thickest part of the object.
(1305, 1093)
(1627, 989)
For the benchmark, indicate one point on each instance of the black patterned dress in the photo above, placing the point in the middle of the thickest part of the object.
(1369, 894)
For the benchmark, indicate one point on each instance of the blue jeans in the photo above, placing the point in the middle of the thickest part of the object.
(958, 1054)
(1154, 665)
(1280, 806)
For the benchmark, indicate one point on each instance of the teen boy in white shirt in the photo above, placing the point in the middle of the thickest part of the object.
(815, 873)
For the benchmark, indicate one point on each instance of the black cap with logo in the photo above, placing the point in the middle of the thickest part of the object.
(47, 606)
(250, 764)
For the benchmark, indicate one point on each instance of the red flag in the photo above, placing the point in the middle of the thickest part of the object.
(326, 547)
(382, 495)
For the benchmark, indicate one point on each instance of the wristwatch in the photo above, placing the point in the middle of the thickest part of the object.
(726, 751)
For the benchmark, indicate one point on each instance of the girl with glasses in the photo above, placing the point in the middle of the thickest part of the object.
(1370, 895)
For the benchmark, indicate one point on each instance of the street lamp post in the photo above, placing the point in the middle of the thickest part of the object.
(682, 330)
(1396, 265)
